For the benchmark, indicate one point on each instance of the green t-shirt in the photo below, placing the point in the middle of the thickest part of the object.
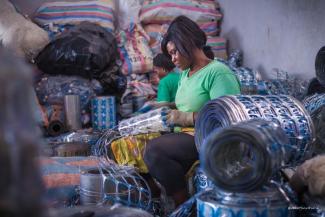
(210, 82)
(167, 87)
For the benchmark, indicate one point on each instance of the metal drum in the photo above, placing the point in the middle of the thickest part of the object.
(94, 186)
(267, 202)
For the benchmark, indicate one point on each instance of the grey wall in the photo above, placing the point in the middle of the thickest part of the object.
(283, 34)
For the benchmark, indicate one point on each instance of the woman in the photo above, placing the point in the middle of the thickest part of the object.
(169, 79)
(170, 156)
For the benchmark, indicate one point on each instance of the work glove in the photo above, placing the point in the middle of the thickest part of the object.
(311, 174)
(178, 118)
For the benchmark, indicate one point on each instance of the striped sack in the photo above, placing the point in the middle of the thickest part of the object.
(156, 33)
(134, 50)
(218, 46)
(73, 13)
(61, 176)
(204, 12)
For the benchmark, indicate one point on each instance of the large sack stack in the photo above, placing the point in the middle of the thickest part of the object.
(55, 15)
(136, 57)
(156, 15)
(83, 49)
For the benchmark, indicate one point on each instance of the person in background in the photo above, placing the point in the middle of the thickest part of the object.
(170, 156)
(169, 79)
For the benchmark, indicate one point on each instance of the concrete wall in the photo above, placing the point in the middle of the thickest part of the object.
(285, 34)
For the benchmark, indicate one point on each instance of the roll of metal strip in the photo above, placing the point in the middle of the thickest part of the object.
(242, 157)
(283, 110)
(314, 102)
(247, 77)
(262, 203)
(316, 106)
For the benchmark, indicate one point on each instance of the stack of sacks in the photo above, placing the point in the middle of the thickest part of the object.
(128, 12)
(87, 49)
(139, 90)
(136, 58)
(156, 15)
(19, 34)
(54, 16)
(134, 50)
(218, 46)
(156, 33)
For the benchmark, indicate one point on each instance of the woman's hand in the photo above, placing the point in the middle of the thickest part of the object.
(183, 119)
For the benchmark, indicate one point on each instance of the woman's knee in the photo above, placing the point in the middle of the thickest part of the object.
(152, 154)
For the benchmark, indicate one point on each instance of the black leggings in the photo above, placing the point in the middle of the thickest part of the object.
(169, 157)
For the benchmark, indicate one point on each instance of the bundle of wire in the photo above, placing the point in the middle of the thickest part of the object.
(116, 184)
(129, 188)
(242, 157)
(316, 106)
(283, 110)
(314, 102)
(152, 121)
(267, 201)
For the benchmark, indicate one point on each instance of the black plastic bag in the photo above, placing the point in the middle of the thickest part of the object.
(84, 50)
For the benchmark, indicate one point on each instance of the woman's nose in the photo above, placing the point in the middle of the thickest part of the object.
(173, 58)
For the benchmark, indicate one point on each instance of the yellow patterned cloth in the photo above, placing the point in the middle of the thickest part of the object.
(129, 150)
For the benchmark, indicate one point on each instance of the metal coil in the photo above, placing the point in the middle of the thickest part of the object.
(316, 106)
(314, 102)
(284, 110)
(242, 157)
(265, 202)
